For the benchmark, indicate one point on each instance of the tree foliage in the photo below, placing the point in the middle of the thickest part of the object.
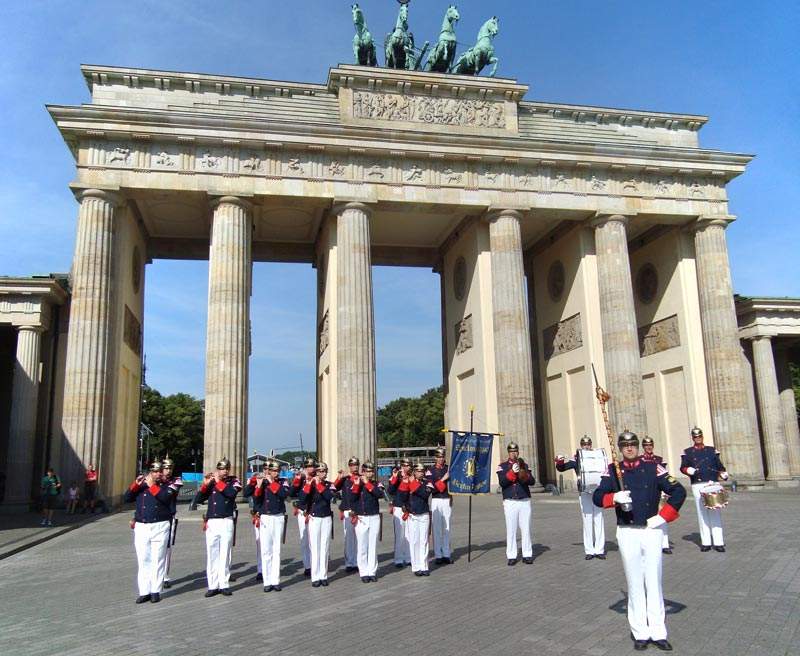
(417, 421)
(289, 456)
(177, 424)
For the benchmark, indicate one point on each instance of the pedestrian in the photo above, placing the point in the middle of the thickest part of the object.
(649, 455)
(90, 488)
(301, 509)
(51, 488)
(269, 492)
(398, 488)
(344, 484)
(73, 497)
(418, 518)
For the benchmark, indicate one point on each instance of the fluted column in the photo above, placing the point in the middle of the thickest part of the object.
(769, 405)
(228, 334)
(618, 325)
(512, 339)
(789, 410)
(730, 413)
(355, 337)
(22, 427)
(90, 328)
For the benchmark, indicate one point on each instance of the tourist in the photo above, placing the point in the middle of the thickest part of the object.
(90, 488)
(72, 498)
(51, 488)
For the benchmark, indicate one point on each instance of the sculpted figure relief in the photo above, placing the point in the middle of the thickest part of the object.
(423, 109)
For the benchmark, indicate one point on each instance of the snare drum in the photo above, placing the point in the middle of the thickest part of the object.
(715, 497)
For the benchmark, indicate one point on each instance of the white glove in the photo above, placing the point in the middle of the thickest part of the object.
(623, 497)
(515, 467)
(655, 521)
(560, 457)
(691, 471)
(723, 476)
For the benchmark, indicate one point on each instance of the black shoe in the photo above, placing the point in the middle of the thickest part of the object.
(267, 588)
(640, 645)
(315, 584)
(512, 562)
(448, 561)
(350, 569)
(307, 572)
(167, 585)
(365, 579)
(663, 645)
(528, 560)
(705, 548)
(588, 557)
(226, 592)
(438, 561)
(417, 573)
(426, 572)
(277, 588)
(211, 593)
(667, 550)
(720, 549)
(374, 579)
(155, 597)
(600, 556)
(142, 599)
(324, 583)
(399, 565)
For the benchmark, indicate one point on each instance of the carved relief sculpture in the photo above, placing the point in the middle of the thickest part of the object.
(463, 331)
(323, 334)
(659, 336)
(252, 163)
(294, 165)
(209, 161)
(563, 336)
(451, 176)
(164, 159)
(119, 154)
(414, 173)
(336, 168)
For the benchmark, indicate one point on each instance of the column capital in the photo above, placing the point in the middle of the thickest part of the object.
(755, 338)
(495, 213)
(30, 328)
(602, 218)
(703, 222)
(111, 197)
(231, 200)
(340, 206)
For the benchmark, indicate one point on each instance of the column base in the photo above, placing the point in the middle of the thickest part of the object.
(789, 482)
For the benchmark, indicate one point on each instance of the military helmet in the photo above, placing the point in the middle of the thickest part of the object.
(273, 464)
(168, 462)
(586, 440)
(627, 438)
(419, 467)
(697, 432)
(648, 441)
(156, 466)
(512, 446)
(354, 461)
(321, 466)
(368, 466)
(224, 464)
(309, 462)
(405, 462)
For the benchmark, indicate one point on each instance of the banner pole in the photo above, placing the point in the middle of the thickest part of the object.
(471, 492)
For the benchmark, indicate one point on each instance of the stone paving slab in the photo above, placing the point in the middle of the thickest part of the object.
(20, 531)
(74, 594)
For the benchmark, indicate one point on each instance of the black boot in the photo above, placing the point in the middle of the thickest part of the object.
(142, 599)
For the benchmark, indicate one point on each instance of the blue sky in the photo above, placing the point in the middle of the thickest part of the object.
(736, 62)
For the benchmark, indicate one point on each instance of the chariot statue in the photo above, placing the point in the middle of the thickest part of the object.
(363, 45)
(399, 44)
(473, 61)
(444, 52)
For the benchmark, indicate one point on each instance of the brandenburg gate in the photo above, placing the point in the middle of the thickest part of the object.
(564, 236)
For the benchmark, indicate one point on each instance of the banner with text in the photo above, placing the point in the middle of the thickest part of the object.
(471, 463)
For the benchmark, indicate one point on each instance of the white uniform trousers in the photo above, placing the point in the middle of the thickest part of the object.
(319, 539)
(710, 520)
(518, 516)
(367, 531)
(305, 549)
(665, 540)
(219, 544)
(257, 531)
(640, 549)
(269, 560)
(440, 516)
(350, 546)
(417, 528)
(594, 530)
(168, 556)
(150, 541)
(402, 555)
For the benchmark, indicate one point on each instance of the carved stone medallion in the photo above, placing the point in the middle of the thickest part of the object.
(136, 270)
(460, 278)
(556, 279)
(647, 284)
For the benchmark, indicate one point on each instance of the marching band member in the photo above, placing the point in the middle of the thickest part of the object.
(398, 488)
(365, 513)
(255, 519)
(594, 534)
(419, 520)
(344, 483)
(318, 494)
(168, 479)
(639, 535)
(515, 480)
(301, 510)
(648, 447)
(151, 530)
(702, 465)
(269, 494)
(441, 501)
(219, 489)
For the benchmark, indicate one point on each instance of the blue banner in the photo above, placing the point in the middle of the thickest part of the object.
(471, 463)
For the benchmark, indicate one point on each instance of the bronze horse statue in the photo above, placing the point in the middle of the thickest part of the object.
(444, 52)
(473, 61)
(363, 45)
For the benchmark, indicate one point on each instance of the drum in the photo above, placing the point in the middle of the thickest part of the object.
(715, 497)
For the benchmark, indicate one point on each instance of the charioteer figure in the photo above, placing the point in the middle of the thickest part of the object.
(219, 489)
(589, 465)
(151, 530)
(704, 468)
(365, 515)
(344, 484)
(398, 488)
(441, 507)
(516, 479)
(301, 510)
(635, 494)
(418, 520)
(649, 455)
(269, 493)
(168, 478)
(318, 493)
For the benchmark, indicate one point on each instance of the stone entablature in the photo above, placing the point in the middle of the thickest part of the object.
(28, 301)
(768, 317)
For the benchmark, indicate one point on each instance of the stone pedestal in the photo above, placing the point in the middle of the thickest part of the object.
(618, 325)
(727, 391)
(769, 404)
(789, 410)
(228, 335)
(22, 426)
(512, 339)
(356, 404)
(90, 329)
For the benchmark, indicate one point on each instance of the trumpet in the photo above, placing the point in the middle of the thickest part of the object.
(524, 470)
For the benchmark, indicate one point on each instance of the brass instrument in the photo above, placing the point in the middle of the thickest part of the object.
(524, 471)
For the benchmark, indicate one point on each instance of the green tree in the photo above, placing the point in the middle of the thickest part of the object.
(289, 456)
(177, 424)
(417, 421)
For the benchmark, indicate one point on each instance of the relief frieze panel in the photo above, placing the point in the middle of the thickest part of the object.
(563, 337)
(659, 336)
(431, 111)
(463, 334)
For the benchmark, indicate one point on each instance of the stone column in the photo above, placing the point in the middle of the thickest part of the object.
(356, 404)
(512, 338)
(22, 426)
(90, 328)
(618, 326)
(228, 334)
(790, 426)
(769, 405)
(727, 391)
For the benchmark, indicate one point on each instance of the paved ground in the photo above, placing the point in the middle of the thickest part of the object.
(19, 531)
(74, 594)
